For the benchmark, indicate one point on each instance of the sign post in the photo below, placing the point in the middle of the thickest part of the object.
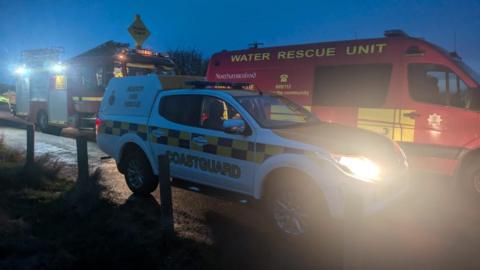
(30, 145)
(138, 31)
(82, 160)
(166, 204)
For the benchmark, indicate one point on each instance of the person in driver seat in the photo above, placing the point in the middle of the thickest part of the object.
(215, 116)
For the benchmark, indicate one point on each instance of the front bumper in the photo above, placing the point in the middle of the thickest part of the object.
(370, 198)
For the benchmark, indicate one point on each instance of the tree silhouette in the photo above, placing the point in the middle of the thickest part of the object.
(189, 62)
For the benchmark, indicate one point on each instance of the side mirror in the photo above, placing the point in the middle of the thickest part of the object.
(234, 126)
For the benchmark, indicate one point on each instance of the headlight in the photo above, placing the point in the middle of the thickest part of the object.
(22, 70)
(359, 167)
(57, 68)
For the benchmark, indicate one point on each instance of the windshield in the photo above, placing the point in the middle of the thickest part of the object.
(470, 71)
(137, 69)
(272, 111)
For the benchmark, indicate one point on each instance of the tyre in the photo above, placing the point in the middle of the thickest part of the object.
(296, 208)
(469, 182)
(42, 121)
(138, 174)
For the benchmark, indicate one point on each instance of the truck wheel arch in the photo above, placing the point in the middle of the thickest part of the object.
(302, 165)
(281, 174)
(465, 159)
(128, 147)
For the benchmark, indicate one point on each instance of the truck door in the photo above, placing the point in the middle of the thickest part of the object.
(23, 96)
(197, 153)
(169, 130)
(58, 102)
(229, 157)
(438, 107)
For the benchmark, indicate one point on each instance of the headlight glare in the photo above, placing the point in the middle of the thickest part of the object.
(359, 167)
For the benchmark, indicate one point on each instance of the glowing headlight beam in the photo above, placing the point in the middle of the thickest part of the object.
(360, 167)
(57, 68)
(22, 70)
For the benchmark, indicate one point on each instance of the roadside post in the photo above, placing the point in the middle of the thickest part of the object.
(82, 158)
(353, 224)
(165, 194)
(30, 145)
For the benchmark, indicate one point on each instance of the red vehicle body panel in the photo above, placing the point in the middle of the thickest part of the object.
(290, 71)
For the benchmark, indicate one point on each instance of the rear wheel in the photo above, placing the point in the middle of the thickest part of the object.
(138, 173)
(297, 209)
(42, 123)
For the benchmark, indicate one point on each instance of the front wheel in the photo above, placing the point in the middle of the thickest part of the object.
(470, 180)
(297, 209)
(138, 174)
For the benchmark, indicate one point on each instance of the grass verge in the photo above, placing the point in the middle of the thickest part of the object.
(48, 222)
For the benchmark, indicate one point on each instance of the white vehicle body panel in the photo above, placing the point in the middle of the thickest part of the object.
(130, 96)
(136, 101)
(22, 90)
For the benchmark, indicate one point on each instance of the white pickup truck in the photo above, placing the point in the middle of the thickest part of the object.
(252, 144)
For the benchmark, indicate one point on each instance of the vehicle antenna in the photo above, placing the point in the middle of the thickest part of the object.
(255, 45)
(259, 91)
(254, 87)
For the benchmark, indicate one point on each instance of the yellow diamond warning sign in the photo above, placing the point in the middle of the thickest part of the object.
(139, 31)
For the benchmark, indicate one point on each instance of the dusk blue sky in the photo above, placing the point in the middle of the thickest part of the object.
(210, 26)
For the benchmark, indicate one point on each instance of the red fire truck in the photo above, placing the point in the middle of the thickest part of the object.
(406, 88)
(54, 95)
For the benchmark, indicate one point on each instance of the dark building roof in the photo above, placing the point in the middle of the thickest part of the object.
(106, 52)
(108, 48)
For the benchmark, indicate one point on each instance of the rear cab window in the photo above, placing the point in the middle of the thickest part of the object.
(181, 109)
(352, 85)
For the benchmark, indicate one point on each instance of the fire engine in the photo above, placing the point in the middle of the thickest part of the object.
(403, 87)
(54, 95)
(33, 83)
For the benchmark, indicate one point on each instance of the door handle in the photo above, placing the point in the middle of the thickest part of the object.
(158, 133)
(200, 140)
(412, 115)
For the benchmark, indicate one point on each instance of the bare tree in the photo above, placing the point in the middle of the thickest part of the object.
(189, 62)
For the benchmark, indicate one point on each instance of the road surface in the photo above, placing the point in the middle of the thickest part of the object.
(429, 229)
(59, 147)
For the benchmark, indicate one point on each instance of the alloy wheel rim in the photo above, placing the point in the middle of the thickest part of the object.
(290, 216)
(135, 174)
